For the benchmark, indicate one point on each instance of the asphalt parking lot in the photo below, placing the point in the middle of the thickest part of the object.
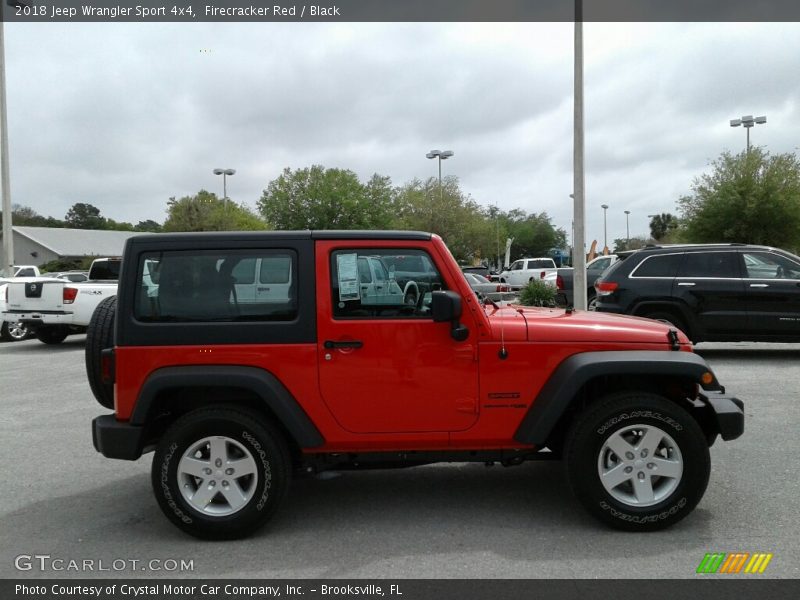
(60, 498)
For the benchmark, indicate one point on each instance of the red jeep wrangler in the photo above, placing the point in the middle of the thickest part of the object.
(242, 357)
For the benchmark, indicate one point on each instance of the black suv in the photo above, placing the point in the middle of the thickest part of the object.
(713, 292)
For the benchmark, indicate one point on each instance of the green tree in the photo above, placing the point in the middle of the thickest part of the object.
(320, 198)
(534, 235)
(634, 243)
(661, 225)
(205, 212)
(84, 216)
(26, 216)
(148, 225)
(118, 225)
(449, 213)
(751, 197)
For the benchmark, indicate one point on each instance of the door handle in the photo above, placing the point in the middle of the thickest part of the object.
(686, 283)
(330, 344)
(759, 285)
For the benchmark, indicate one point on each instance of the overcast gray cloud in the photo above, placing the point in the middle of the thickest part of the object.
(123, 116)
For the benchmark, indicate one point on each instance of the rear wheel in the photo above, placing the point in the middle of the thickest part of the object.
(591, 300)
(14, 332)
(100, 336)
(52, 335)
(220, 473)
(637, 461)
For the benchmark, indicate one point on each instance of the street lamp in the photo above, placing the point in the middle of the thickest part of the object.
(225, 173)
(441, 155)
(605, 229)
(5, 172)
(747, 122)
(627, 229)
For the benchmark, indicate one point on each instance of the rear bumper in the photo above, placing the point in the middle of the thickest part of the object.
(117, 439)
(39, 317)
(728, 413)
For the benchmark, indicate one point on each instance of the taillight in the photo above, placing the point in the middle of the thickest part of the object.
(69, 294)
(107, 366)
(542, 274)
(605, 288)
(502, 288)
(559, 282)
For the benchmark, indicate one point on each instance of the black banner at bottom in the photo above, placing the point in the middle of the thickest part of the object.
(398, 589)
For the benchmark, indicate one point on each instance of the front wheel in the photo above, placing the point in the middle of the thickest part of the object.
(220, 473)
(637, 461)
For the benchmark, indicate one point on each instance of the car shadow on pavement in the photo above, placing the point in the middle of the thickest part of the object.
(368, 523)
(34, 346)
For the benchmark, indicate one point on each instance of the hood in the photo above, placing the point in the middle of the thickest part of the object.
(556, 325)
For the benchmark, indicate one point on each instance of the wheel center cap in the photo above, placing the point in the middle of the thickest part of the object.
(638, 463)
(218, 473)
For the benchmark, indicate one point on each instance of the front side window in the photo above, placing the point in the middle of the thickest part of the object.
(766, 265)
(382, 283)
(517, 266)
(710, 265)
(220, 285)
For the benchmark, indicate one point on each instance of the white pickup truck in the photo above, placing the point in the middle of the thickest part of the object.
(56, 308)
(527, 269)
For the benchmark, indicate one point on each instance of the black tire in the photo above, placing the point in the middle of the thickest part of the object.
(634, 413)
(100, 336)
(591, 300)
(14, 332)
(52, 335)
(266, 491)
(670, 319)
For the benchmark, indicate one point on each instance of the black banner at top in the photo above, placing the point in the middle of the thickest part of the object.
(278, 11)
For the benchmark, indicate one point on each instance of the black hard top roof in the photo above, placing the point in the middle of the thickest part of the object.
(307, 234)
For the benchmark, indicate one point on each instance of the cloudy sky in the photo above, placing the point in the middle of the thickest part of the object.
(123, 116)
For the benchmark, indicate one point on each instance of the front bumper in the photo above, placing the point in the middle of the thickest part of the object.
(727, 412)
(117, 439)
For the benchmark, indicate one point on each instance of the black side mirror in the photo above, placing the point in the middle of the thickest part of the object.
(446, 306)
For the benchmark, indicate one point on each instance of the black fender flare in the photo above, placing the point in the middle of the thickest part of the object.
(262, 383)
(563, 385)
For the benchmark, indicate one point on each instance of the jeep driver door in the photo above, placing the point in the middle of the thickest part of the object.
(384, 365)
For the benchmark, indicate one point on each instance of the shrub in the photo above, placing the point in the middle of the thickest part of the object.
(537, 293)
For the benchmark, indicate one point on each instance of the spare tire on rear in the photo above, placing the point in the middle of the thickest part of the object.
(99, 336)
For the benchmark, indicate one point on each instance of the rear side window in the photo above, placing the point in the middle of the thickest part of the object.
(541, 264)
(663, 265)
(105, 269)
(710, 264)
(217, 286)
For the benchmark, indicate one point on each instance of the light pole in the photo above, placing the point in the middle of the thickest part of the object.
(747, 122)
(441, 155)
(605, 229)
(5, 171)
(225, 173)
(627, 229)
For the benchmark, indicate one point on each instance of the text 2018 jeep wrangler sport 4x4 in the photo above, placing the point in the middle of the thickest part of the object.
(242, 357)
